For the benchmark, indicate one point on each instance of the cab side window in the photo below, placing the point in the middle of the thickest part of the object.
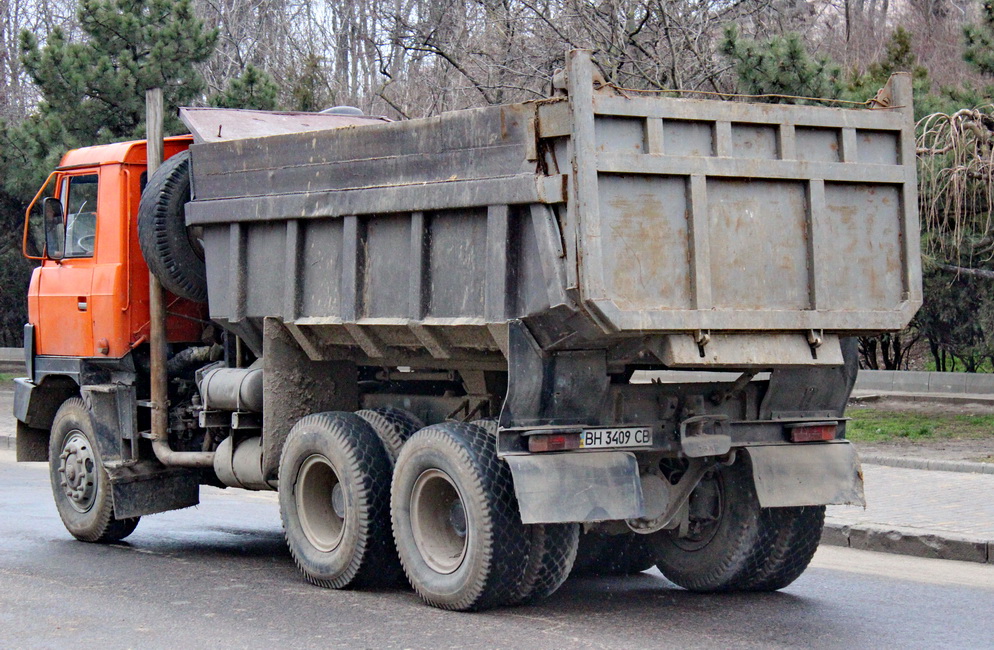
(79, 196)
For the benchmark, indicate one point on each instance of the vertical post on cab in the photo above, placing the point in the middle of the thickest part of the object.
(157, 316)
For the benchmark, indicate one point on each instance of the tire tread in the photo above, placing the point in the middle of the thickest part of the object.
(504, 539)
(393, 426)
(793, 538)
(550, 559)
(374, 562)
(162, 233)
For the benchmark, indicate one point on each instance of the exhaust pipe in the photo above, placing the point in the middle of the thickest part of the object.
(160, 389)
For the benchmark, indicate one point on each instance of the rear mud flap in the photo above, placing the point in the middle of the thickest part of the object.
(807, 475)
(594, 486)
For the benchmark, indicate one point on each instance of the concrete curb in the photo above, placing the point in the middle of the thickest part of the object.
(12, 361)
(926, 463)
(911, 381)
(940, 398)
(909, 541)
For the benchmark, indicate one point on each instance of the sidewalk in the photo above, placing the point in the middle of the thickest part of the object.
(927, 513)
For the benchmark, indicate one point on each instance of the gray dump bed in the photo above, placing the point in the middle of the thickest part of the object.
(711, 233)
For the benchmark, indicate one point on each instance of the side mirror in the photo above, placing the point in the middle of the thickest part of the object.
(34, 235)
(55, 228)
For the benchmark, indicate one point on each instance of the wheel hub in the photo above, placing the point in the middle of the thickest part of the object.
(438, 521)
(706, 511)
(321, 503)
(78, 468)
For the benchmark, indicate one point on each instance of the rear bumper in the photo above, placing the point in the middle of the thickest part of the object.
(605, 486)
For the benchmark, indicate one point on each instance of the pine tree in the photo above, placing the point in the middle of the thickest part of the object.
(979, 50)
(309, 91)
(780, 66)
(93, 90)
(98, 86)
(899, 57)
(254, 88)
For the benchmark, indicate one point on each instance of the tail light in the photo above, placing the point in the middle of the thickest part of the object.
(813, 432)
(553, 442)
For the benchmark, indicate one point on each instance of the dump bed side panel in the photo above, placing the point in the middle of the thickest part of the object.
(401, 241)
(705, 215)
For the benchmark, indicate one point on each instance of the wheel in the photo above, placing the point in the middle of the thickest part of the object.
(79, 481)
(487, 424)
(589, 551)
(334, 494)
(394, 426)
(600, 554)
(729, 536)
(172, 251)
(796, 533)
(455, 519)
(552, 550)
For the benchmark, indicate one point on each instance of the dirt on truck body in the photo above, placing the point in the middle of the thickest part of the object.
(428, 335)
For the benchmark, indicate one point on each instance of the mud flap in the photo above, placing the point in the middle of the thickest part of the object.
(807, 475)
(140, 487)
(146, 487)
(559, 488)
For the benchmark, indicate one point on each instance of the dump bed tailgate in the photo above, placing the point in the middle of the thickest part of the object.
(695, 215)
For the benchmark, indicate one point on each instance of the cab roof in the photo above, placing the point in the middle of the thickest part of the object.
(131, 152)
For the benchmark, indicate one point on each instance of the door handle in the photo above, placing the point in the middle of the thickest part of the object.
(81, 303)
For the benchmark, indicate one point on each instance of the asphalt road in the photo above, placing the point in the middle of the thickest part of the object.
(219, 576)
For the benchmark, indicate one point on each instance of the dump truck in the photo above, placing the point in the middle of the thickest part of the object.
(475, 352)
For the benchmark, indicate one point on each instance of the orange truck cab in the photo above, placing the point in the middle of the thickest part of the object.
(88, 300)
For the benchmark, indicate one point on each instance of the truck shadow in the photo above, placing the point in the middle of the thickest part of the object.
(597, 596)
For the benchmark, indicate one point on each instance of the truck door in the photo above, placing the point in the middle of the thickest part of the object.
(65, 327)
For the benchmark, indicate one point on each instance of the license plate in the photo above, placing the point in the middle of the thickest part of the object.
(610, 438)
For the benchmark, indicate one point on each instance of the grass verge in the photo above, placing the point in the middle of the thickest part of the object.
(872, 425)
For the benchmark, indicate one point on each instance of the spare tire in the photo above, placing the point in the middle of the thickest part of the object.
(173, 253)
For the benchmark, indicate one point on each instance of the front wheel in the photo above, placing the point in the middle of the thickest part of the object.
(80, 483)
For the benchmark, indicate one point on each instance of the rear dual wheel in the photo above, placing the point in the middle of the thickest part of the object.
(455, 520)
(795, 534)
(732, 544)
(601, 554)
(551, 553)
(334, 493)
(455, 517)
(394, 426)
(552, 548)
